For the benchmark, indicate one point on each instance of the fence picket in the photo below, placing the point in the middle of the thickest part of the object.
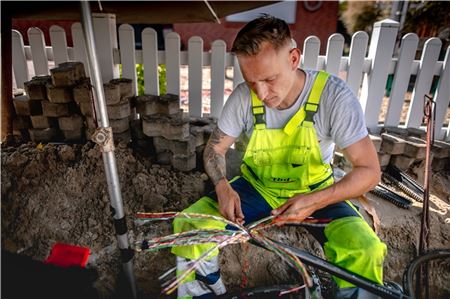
(237, 74)
(380, 52)
(79, 46)
(357, 54)
(150, 60)
(127, 53)
(218, 49)
(195, 59)
(37, 45)
(172, 42)
(105, 41)
(402, 76)
(59, 44)
(311, 48)
(424, 78)
(442, 96)
(335, 47)
(19, 61)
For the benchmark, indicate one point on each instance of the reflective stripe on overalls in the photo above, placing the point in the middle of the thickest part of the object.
(280, 163)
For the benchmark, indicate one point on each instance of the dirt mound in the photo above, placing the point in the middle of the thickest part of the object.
(58, 193)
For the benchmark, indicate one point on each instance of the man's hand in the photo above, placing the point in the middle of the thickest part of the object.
(297, 208)
(229, 202)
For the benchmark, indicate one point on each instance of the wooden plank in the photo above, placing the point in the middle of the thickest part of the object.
(150, 59)
(374, 84)
(357, 54)
(37, 45)
(195, 69)
(424, 78)
(237, 74)
(335, 47)
(401, 79)
(79, 47)
(59, 44)
(218, 50)
(442, 96)
(19, 62)
(127, 53)
(172, 42)
(311, 48)
(105, 41)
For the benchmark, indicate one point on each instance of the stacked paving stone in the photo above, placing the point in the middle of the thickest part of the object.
(404, 148)
(177, 140)
(118, 95)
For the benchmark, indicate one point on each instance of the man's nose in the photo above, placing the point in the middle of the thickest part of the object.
(261, 91)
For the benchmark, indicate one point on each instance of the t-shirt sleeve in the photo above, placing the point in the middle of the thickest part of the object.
(347, 123)
(233, 117)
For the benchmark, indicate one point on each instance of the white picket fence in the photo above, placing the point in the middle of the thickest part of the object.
(365, 74)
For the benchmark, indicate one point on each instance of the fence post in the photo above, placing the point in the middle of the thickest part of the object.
(356, 60)
(19, 60)
(335, 46)
(237, 74)
(218, 49)
(172, 42)
(39, 56)
(150, 60)
(442, 95)
(195, 60)
(128, 54)
(311, 48)
(79, 47)
(402, 76)
(424, 79)
(59, 44)
(380, 52)
(106, 41)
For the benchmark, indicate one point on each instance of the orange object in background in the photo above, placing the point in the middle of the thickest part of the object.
(65, 255)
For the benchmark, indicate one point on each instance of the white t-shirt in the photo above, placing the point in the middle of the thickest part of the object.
(339, 119)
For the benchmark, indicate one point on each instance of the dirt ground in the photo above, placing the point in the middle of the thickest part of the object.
(58, 193)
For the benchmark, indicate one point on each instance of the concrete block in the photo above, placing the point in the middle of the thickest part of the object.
(440, 149)
(136, 129)
(395, 131)
(83, 92)
(66, 74)
(43, 122)
(119, 125)
(59, 94)
(36, 88)
(384, 159)
(199, 150)
(122, 137)
(119, 111)
(58, 110)
(21, 123)
(125, 86)
(112, 93)
(184, 163)
(415, 132)
(415, 148)
(392, 144)
(176, 147)
(90, 123)
(440, 164)
(74, 135)
(164, 158)
(402, 162)
(78, 66)
(173, 129)
(202, 128)
(25, 107)
(152, 105)
(87, 109)
(376, 140)
(43, 135)
(199, 135)
(71, 123)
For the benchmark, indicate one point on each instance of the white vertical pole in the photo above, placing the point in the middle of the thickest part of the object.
(357, 54)
(310, 56)
(150, 60)
(218, 49)
(106, 41)
(59, 44)
(374, 84)
(442, 96)
(37, 45)
(195, 60)
(128, 54)
(335, 47)
(79, 47)
(172, 42)
(19, 61)
(237, 75)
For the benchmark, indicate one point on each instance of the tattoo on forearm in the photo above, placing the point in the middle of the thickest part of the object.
(215, 165)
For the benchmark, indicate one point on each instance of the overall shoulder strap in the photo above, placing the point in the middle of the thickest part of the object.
(259, 112)
(305, 114)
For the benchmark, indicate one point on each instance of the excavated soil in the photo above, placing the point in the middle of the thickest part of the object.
(58, 193)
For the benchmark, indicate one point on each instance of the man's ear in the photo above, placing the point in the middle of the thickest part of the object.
(295, 55)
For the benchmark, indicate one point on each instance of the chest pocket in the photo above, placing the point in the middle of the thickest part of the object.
(295, 156)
